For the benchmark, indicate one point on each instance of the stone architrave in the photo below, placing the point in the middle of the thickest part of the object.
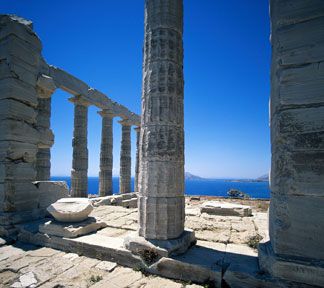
(79, 173)
(296, 213)
(106, 154)
(45, 89)
(161, 180)
(125, 158)
(138, 130)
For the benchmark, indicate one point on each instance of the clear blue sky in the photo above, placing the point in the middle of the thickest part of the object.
(227, 59)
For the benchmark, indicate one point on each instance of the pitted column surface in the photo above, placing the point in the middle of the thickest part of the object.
(161, 179)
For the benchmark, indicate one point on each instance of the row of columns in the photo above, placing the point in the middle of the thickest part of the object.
(79, 173)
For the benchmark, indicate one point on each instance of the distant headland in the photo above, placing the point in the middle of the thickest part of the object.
(263, 178)
(189, 176)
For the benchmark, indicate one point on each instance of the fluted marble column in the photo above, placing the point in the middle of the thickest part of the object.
(138, 130)
(125, 158)
(79, 173)
(45, 88)
(106, 154)
(161, 180)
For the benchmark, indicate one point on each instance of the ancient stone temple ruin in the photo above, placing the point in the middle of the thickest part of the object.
(26, 87)
(293, 256)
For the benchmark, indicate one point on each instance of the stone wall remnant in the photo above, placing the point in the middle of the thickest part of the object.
(27, 83)
(20, 54)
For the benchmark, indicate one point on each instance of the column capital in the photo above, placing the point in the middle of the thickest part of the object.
(45, 86)
(126, 122)
(137, 129)
(80, 100)
(108, 113)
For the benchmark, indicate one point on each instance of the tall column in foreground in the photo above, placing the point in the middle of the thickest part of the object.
(106, 154)
(125, 158)
(138, 130)
(295, 251)
(161, 181)
(79, 173)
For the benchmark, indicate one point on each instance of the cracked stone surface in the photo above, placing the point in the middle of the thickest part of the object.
(53, 268)
(161, 176)
(213, 228)
(43, 267)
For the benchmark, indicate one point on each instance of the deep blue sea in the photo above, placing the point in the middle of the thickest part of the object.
(208, 187)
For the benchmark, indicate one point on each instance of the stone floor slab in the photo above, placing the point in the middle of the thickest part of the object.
(72, 230)
(225, 209)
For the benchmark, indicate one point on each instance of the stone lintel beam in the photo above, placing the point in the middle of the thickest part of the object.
(75, 86)
(106, 153)
(125, 158)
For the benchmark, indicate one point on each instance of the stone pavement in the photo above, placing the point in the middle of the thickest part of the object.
(24, 265)
(213, 228)
(223, 242)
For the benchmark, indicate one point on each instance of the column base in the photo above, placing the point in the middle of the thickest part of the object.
(138, 245)
(301, 271)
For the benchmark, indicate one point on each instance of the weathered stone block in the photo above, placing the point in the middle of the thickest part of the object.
(17, 151)
(298, 173)
(43, 164)
(296, 226)
(129, 203)
(303, 120)
(285, 13)
(307, 272)
(16, 49)
(51, 191)
(73, 230)
(10, 218)
(11, 88)
(296, 82)
(46, 138)
(18, 196)
(163, 248)
(20, 28)
(11, 109)
(13, 67)
(12, 130)
(293, 49)
(70, 209)
(225, 209)
(17, 171)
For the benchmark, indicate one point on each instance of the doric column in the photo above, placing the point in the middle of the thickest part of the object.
(161, 181)
(106, 153)
(79, 173)
(125, 158)
(138, 130)
(45, 89)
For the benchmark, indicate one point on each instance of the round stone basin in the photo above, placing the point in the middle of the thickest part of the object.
(70, 209)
